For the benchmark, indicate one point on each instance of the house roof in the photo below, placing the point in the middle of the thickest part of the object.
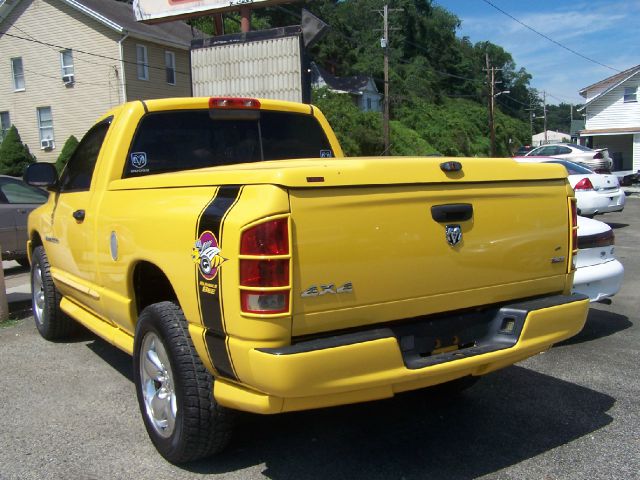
(613, 82)
(118, 16)
(614, 79)
(354, 84)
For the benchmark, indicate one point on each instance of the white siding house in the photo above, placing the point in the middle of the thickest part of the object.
(613, 118)
(64, 63)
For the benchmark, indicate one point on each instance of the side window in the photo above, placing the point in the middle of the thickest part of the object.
(630, 94)
(544, 151)
(17, 71)
(17, 192)
(563, 151)
(142, 61)
(78, 172)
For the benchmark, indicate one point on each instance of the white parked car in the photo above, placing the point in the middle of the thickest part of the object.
(596, 193)
(596, 160)
(598, 273)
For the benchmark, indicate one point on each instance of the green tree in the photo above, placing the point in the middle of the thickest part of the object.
(67, 150)
(14, 155)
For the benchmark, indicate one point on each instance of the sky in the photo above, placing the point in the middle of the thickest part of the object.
(606, 31)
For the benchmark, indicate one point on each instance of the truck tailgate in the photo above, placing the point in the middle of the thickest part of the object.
(371, 254)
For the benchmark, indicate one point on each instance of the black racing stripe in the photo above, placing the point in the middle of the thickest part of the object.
(211, 220)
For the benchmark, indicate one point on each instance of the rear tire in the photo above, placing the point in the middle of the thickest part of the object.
(52, 323)
(175, 390)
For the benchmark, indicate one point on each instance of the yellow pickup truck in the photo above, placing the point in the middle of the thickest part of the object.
(245, 264)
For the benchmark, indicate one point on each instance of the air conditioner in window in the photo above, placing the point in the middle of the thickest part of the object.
(68, 79)
(46, 144)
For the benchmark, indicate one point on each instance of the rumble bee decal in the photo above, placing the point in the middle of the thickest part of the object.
(206, 254)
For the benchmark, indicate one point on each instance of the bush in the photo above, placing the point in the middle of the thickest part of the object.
(67, 150)
(14, 155)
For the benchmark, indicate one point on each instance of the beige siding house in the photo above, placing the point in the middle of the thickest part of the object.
(63, 63)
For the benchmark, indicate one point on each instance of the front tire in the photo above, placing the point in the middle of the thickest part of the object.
(52, 323)
(175, 390)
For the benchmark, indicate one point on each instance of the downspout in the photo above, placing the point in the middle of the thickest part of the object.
(123, 77)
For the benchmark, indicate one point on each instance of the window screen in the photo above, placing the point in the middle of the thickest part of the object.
(183, 140)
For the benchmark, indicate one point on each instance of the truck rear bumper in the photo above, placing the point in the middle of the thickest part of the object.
(378, 363)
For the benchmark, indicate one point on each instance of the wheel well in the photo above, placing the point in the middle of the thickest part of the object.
(151, 285)
(36, 241)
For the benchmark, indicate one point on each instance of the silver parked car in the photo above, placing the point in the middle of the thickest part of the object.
(17, 199)
(596, 160)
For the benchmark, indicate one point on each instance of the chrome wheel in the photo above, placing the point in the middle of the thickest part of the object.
(157, 385)
(37, 291)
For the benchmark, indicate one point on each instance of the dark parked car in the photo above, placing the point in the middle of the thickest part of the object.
(17, 199)
(524, 149)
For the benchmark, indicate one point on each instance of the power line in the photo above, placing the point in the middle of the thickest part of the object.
(548, 38)
(46, 44)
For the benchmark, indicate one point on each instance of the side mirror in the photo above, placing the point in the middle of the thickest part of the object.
(41, 175)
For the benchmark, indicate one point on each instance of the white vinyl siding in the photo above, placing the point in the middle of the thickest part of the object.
(17, 71)
(611, 111)
(5, 123)
(170, 67)
(66, 62)
(142, 61)
(45, 123)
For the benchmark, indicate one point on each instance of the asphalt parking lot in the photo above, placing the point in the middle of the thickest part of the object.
(69, 412)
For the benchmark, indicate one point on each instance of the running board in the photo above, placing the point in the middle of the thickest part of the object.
(103, 329)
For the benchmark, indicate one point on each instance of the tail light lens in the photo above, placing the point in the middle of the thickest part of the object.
(598, 155)
(264, 273)
(584, 185)
(604, 239)
(264, 268)
(574, 232)
(268, 238)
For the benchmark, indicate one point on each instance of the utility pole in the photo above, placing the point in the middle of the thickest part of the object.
(385, 49)
(491, 85)
(491, 82)
(384, 43)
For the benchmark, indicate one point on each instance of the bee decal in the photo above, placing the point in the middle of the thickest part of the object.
(206, 254)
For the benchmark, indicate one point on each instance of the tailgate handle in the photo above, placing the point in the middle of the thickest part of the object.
(453, 212)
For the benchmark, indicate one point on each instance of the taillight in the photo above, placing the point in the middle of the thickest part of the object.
(229, 102)
(598, 155)
(574, 232)
(268, 238)
(598, 240)
(584, 184)
(264, 268)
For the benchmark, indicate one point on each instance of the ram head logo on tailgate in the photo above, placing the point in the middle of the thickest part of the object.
(453, 234)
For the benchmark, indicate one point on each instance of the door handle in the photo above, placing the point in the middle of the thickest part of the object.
(453, 212)
(79, 215)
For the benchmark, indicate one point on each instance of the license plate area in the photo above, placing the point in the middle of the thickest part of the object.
(440, 340)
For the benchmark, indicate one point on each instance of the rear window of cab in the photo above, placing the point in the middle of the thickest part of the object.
(185, 140)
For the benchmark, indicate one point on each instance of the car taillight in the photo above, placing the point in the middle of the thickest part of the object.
(268, 238)
(264, 268)
(574, 233)
(598, 155)
(603, 239)
(584, 184)
(236, 103)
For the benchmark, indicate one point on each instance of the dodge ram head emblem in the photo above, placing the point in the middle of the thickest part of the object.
(453, 234)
